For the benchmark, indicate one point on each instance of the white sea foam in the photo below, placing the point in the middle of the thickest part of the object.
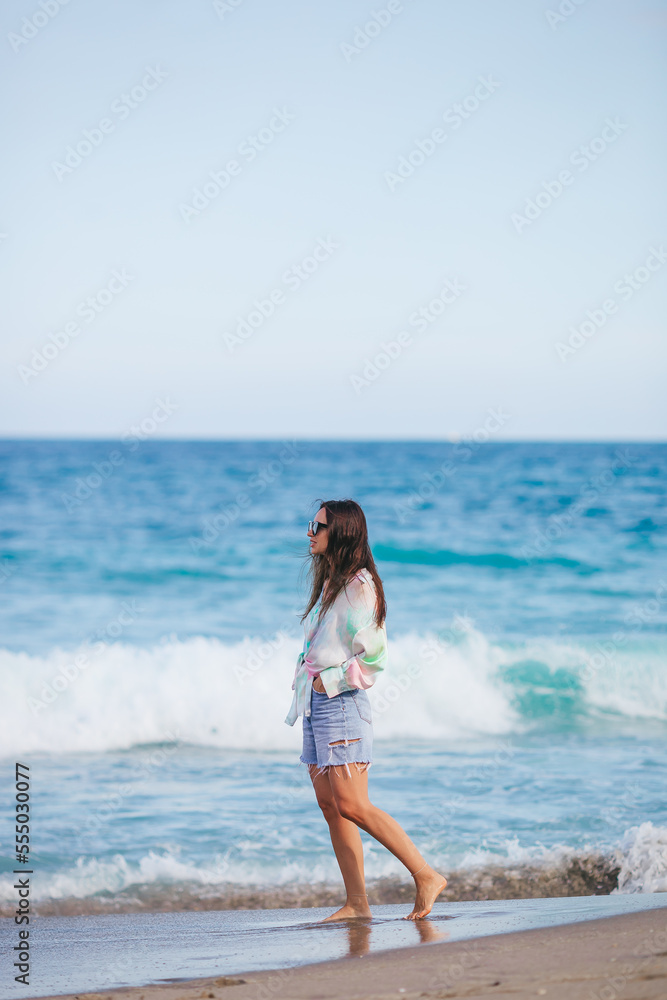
(510, 853)
(643, 859)
(207, 692)
(642, 856)
(90, 876)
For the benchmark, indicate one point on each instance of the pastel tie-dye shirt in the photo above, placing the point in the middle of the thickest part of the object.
(346, 648)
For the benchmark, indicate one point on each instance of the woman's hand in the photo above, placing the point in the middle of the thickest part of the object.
(318, 685)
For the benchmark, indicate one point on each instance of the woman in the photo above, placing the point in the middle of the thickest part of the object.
(344, 650)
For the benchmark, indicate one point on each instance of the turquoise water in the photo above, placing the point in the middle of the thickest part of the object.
(150, 629)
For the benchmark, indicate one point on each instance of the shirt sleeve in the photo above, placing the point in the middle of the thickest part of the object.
(368, 642)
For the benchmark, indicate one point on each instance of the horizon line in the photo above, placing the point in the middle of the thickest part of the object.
(449, 439)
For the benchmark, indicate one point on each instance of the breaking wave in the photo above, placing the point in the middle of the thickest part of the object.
(202, 691)
(163, 882)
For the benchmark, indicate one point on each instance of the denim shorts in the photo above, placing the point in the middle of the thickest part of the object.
(346, 717)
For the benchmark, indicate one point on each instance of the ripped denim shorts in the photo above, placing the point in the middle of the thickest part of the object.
(338, 731)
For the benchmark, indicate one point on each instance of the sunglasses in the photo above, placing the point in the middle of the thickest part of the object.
(315, 526)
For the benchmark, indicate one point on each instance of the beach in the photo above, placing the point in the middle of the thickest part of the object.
(126, 953)
(614, 957)
(334, 434)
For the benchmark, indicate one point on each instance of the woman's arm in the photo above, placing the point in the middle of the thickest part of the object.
(361, 669)
(352, 628)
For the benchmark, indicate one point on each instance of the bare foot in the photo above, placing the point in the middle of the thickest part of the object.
(430, 884)
(351, 912)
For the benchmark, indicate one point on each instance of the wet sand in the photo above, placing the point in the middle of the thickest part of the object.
(613, 958)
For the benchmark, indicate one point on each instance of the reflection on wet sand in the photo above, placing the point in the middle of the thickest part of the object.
(359, 935)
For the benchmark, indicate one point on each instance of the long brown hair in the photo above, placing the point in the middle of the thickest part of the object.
(347, 552)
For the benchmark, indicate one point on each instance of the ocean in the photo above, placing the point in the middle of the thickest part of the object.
(151, 593)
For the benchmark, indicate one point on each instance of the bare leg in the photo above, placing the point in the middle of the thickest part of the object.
(347, 847)
(351, 796)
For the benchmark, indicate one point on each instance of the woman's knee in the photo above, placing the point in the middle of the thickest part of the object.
(352, 809)
(328, 806)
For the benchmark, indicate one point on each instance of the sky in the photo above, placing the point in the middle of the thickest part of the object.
(404, 220)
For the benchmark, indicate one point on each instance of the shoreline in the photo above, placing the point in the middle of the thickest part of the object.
(189, 955)
(576, 876)
(621, 955)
